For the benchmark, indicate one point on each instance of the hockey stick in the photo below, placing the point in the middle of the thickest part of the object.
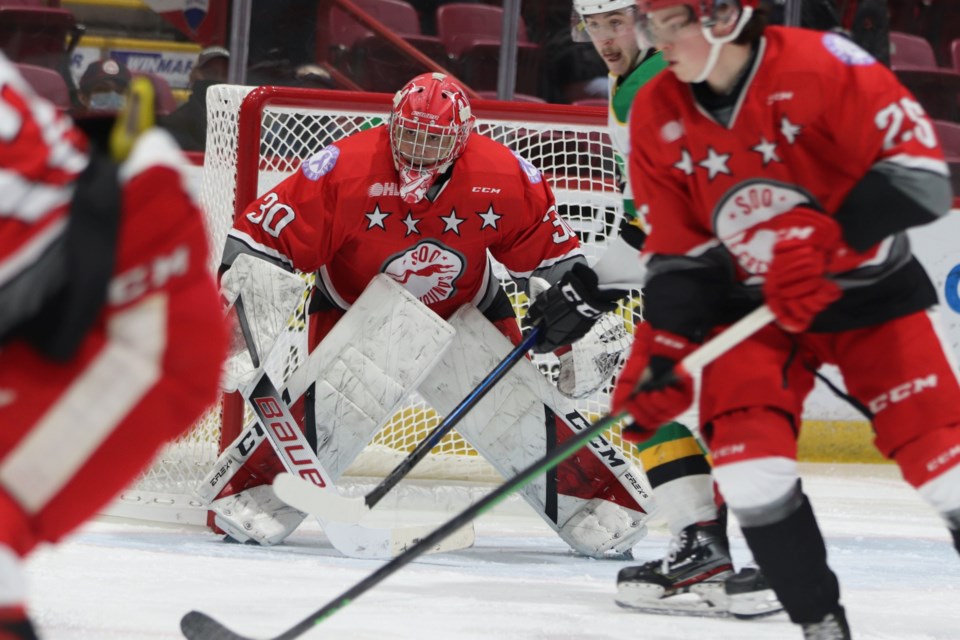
(299, 459)
(344, 509)
(199, 626)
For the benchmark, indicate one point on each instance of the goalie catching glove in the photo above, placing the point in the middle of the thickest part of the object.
(566, 312)
(654, 354)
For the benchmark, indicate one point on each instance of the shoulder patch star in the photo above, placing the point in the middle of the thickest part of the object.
(789, 130)
(768, 150)
(715, 164)
(411, 223)
(376, 218)
(686, 163)
(452, 222)
(490, 217)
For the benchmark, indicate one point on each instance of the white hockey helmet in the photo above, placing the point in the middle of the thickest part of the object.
(590, 7)
(584, 8)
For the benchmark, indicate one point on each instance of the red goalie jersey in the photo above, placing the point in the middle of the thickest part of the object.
(342, 215)
(815, 130)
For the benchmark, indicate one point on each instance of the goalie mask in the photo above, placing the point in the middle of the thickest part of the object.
(429, 127)
(652, 31)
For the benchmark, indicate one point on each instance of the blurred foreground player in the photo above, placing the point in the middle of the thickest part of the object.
(111, 328)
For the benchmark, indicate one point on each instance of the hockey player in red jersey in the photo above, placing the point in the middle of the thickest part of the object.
(787, 166)
(111, 329)
(426, 201)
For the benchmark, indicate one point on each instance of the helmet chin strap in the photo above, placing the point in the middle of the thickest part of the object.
(717, 43)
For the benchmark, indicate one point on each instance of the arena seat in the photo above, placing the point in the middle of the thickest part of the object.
(38, 35)
(471, 35)
(374, 63)
(911, 51)
(47, 83)
(164, 100)
(949, 135)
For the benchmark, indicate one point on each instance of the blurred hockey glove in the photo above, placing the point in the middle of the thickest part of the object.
(653, 356)
(797, 287)
(566, 312)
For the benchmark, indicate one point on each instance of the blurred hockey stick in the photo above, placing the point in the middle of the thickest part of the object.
(336, 507)
(199, 626)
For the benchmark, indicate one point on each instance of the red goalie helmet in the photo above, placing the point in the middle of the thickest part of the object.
(429, 127)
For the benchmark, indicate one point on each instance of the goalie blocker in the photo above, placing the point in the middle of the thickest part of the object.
(596, 502)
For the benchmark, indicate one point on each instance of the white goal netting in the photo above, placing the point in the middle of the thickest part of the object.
(256, 137)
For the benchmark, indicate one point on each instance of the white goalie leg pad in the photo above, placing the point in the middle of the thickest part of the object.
(264, 297)
(256, 515)
(375, 356)
(508, 427)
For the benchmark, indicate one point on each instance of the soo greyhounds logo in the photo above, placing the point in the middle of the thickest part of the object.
(429, 270)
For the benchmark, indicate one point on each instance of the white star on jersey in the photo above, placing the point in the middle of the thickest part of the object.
(490, 218)
(686, 163)
(715, 163)
(452, 222)
(411, 223)
(376, 218)
(789, 130)
(768, 150)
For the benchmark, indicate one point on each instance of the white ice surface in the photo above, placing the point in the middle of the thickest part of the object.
(899, 574)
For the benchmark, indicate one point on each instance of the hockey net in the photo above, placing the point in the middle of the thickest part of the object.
(257, 137)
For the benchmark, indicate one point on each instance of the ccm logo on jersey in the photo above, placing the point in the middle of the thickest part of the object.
(485, 190)
(902, 392)
(943, 458)
(135, 282)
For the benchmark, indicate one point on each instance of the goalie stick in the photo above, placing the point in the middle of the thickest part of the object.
(333, 506)
(298, 458)
(279, 427)
(196, 625)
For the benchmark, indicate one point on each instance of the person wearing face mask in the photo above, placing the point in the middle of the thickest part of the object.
(103, 85)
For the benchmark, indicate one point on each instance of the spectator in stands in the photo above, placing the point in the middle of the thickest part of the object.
(103, 86)
(188, 123)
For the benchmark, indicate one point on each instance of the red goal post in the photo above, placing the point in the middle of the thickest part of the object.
(258, 136)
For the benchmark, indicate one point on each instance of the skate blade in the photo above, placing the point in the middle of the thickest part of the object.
(753, 605)
(689, 603)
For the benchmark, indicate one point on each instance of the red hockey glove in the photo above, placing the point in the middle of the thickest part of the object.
(796, 287)
(656, 351)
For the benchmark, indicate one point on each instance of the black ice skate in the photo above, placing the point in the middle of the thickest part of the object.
(749, 595)
(689, 581)
(833, 627)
